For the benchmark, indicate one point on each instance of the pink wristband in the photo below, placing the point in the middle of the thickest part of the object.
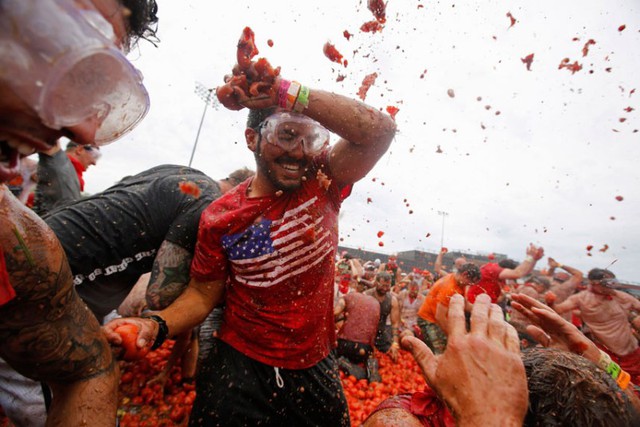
(282, 93)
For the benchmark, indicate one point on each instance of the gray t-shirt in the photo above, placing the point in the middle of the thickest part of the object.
(58, 183)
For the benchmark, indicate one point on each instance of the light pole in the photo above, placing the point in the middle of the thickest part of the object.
(444, 215)
(207, 96)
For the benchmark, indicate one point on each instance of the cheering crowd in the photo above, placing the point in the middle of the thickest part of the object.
(253, 257)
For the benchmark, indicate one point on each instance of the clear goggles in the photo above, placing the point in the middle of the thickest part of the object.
(286, 130)
(60, 57)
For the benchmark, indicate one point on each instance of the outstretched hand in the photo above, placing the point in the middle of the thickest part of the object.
(552, 330)
(480, 375)
(147, 330)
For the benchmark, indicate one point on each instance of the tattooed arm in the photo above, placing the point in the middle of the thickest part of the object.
(47, 332)
(169, 276)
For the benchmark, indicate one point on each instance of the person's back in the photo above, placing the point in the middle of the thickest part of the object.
(362, 313)
(111, 238)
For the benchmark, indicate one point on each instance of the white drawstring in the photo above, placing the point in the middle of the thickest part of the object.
(279, 380)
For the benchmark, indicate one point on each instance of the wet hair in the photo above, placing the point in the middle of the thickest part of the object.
(539, 280)
(568, 390)
(599, 274)
(142, 20)
(383, 275)
(256, 117)
(508, 263)
(239, 175)
(471, 272)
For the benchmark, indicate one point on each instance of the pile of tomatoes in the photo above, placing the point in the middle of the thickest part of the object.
(143, 404)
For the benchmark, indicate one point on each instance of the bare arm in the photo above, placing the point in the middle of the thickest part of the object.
(437, 266)
(534, 253)
(339, 309)
(186, 312)
(169, 275)
(576, 275)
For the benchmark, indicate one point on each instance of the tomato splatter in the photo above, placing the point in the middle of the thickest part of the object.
(347, 35)
(323, 180)
(491, 256)
(566, 63)
(628, 109)
(367, 82)
(371, 27)
(190, 188)
(512, 19)
(380, 244)
(270, 43)
(369, 200)
(380, 234)
(340, 78)
(578, 348)
(428, 235)
(423, 73)
(309, 235)
(619, 198)
(451, 93)
(622, 27)
(379, 10)
(527, 60)
(332, 53)
(605, 248)
(392, 111)
(585, 48)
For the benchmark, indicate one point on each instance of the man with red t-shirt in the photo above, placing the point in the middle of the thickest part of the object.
(494, 275)
(269, 246)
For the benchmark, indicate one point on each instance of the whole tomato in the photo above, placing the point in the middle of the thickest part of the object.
(129, 335)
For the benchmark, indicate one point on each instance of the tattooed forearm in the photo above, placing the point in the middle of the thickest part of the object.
(47, 331)
(169, 276)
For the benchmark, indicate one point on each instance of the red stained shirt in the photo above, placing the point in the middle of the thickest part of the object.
(276, 254)
(490, 283)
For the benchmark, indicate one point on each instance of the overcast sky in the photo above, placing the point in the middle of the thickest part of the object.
(526, 156)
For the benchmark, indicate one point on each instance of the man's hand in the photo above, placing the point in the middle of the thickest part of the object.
(394, 352)
(552, 263)
(551, 330)
(535, 251)
(147, 330)
(480, 375)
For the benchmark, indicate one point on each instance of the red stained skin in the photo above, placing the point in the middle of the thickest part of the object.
(332, 53)
(379, 10)
(371, 27)
(366, 84)
(578, 348)
(527, 60)
(392, 111)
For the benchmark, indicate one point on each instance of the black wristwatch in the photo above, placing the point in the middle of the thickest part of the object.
(163, 330)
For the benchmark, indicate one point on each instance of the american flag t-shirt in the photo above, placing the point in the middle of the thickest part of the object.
(270, 252)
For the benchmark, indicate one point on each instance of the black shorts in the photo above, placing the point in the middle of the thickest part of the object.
(235, 390)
